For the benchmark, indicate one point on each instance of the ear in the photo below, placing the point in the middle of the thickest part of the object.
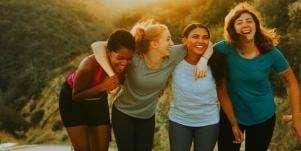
(184, 40)
(155, 44)
(109, 54)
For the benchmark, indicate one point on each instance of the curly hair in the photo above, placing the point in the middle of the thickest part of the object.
(121, 38)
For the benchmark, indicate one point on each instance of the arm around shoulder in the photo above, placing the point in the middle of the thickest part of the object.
(100, 52)
(82, 85)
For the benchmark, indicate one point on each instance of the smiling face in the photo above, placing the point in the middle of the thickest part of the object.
(245, 27)
(120, 59)
(197, 41)
(164, 43)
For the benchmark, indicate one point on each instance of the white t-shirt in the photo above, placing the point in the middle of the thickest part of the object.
(195, 102)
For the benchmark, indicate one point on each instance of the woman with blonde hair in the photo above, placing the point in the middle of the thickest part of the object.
(251, 53)
(133, 113)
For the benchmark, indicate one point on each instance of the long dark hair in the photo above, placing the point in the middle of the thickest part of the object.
(265, 38)
(193, 26)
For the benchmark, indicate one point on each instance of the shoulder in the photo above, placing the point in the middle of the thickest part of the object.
(177, 53)
(97, 44)
(177, 50)
(89, 63)
(177, 47)
(223, 46)
(274, 53)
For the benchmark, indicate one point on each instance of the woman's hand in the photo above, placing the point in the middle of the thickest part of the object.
(111, 83)
(238, 135)
(287, 118)
(201, 67)
(296, 126)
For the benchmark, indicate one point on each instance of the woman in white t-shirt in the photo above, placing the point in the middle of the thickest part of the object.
(194, 112)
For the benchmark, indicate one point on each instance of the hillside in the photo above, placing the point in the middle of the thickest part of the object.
(37, 37)
(43, 40)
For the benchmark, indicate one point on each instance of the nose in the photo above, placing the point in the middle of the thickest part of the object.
(125, 62)
(245, 24)
(202, 40)
(171, 43)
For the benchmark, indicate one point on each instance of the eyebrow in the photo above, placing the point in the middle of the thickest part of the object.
(200, 34)
(250, 18)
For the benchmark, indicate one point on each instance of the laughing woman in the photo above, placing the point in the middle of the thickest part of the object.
(251, 53)
(83, 99)
(194, 111)
(133, 113)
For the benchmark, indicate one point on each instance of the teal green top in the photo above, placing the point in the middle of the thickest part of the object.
(248, 83)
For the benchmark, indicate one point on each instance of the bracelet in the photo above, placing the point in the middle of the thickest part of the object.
(205, 57)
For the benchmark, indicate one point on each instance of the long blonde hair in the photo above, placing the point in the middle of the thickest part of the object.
(146, 31)
(265, 38)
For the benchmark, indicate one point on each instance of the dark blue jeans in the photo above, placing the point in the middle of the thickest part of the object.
(132, 134)
(181, 137)
(257, 137)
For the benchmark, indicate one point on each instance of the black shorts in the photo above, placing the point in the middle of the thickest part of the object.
(85, 112)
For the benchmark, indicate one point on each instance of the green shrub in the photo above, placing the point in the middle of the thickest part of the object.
(36, 117)
(58, 125)
(11, 121)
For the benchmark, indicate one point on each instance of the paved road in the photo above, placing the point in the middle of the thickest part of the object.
(14, 147)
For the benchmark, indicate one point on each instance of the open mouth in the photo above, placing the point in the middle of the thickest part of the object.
(199, 46)
(246, 32)
(122, 68)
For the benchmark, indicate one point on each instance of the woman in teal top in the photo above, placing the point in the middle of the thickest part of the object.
(249, 49)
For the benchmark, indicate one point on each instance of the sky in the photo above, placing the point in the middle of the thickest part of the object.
(128, 3)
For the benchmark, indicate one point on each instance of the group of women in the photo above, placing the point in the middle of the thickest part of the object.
(236, 77)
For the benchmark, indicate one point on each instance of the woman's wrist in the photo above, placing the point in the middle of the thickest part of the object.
(296, 115)
(203, 56)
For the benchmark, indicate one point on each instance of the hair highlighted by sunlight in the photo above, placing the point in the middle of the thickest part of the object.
(146, 31)
(265, 38)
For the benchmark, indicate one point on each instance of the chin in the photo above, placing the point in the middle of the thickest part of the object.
(165, 55)
(120, 71)
(198, 52)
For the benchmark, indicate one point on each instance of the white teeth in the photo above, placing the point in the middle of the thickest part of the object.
(246, 32)
(199, 46)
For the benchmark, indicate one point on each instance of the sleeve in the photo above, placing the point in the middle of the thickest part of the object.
(221, 47)
(177, 53)
(279, 62)
(219, 66)
(99, 50)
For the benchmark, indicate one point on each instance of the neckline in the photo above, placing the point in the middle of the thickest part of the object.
(149, 68)
(258, 54)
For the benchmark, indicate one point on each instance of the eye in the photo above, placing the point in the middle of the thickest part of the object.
(206, 37)
(249, 21)
(238, 23)
(195, 36)
(119, 58)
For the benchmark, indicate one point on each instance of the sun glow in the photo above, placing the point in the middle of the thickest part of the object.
(128, 3)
